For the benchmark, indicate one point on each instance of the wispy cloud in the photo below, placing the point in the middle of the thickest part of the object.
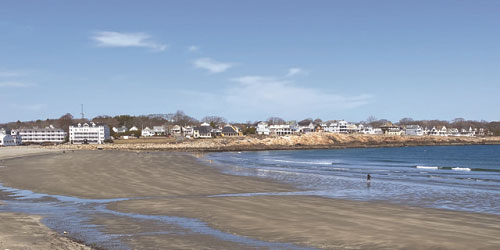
(193, 48)
(32, 107)
(258, 97)
(278, 94)
(211, 65)
(15, 84)
(120, 39)
(295, 71)
(10, 73)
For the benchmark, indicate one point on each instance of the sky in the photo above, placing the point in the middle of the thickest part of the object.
(250, 60)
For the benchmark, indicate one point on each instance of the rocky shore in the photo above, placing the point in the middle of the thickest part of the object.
(306, 141)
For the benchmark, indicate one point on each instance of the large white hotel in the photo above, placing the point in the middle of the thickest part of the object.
(88, 133)
(40, 135)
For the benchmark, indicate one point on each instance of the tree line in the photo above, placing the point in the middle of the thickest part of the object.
(182, 119)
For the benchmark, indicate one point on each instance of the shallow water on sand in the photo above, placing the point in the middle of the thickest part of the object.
(464, 178)
(74, 215)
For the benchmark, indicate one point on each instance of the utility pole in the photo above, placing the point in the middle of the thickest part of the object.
(83, 115)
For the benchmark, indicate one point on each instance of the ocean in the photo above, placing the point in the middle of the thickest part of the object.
(464, 178)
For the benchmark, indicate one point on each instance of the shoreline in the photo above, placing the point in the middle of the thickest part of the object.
(294, 142)
(162, 185)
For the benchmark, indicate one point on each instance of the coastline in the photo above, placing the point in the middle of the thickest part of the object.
(293, 142)
(164, 186)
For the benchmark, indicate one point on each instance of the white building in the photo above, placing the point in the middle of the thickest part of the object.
(159, 130)
(284, 129)
(330, 127)
(176, 130)
(146, 132)
(134, 128)
(88, 133)
(306, 127)
(368, 130)
(263, 128)
(203, 131)
(7, 139)
(121, 129)
(453, 132)
(342, 127)
(40, 135)
(188, 131)
(415, 130)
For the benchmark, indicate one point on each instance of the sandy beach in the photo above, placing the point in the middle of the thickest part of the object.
(24, 231)
(165, 185)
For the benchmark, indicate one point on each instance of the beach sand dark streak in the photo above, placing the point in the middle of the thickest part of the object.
(171, 192)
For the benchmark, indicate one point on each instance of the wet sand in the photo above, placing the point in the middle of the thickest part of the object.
(170, 184)
(19, 231)
(23, 231)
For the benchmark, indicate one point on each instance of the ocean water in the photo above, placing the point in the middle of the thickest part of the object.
(465, 178)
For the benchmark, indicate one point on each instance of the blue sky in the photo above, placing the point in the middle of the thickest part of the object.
(249, 60)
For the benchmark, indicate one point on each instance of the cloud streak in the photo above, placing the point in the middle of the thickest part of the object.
(9, 74)
(259, 97)
(15, 84)
(193, 48)
(31, 107)
(275, 94)
(295, 71)
(212, 65)
(123, 40)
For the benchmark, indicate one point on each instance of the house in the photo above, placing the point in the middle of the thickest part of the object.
(217, 131)
(352, 128)
(342, 127)
(470, 132)
(147, 132)
(414, 130)
(230, 131)
(262, 128)
(6, 139)
(17, 137)
(443, 131)
(284, 129)
(453, 132)
(390, 129)
(159, 130)
(40, 135)
(203, 131)
(330, 127)
(188, 131)
(134, 128)
(176, 130)
(368, 130)
(121, 129)
(306, 127)
(88, 133)
(481, 132)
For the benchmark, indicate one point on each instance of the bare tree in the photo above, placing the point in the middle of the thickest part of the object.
(275, 121)
(181, 118)
(406, 121)
(65, 121)
(371, 119)
(214, 120)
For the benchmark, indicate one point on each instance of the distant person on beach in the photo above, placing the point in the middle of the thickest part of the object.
(368, 178)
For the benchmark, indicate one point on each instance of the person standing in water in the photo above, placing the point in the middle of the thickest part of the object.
(368, 178)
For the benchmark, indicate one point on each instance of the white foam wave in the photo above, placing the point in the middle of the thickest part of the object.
(305, 162)
(460, 169)
(427, 167)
